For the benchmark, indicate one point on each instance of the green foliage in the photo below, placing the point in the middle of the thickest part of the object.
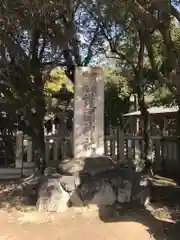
(71, 35)
(114, 78)
(58, 78)
(117, 92)
(54, 90)
(163, 97)
(127, 25)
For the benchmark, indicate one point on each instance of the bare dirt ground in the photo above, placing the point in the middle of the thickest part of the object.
(19, 220)
(69, 225)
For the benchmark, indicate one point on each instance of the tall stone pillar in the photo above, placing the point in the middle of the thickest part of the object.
(88, 125)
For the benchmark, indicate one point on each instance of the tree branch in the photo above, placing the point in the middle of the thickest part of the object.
(109, 38)
(42, 49)
(90, 53)
(13, 47)
(34, 47)
(75, 50)
(149, 19)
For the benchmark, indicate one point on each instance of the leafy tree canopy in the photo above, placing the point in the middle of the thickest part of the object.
(57, 80)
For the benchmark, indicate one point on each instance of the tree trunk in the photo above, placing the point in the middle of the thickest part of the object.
(38, 135)
(33, 126)
(143, 108)
(39, 141)
(146, 133)
(146, 129)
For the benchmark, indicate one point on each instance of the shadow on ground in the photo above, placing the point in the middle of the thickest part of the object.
(158, 229)
(161, 224)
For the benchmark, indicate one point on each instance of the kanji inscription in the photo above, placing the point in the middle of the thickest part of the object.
(89, 112)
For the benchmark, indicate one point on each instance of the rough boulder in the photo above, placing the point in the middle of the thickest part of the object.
(103, 186)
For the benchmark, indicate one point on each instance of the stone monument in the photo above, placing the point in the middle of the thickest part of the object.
(88, 128)
(88, 124)
(89, 177)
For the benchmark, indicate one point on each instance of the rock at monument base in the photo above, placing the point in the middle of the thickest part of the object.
(52, 196)
(125, 193)
(93, 194)
(70, 183)
(76, 200)
(90, 165)
(97, 165)
(141, 189)
(104, 189)
(104, 196)
(116, 186)
(57, 192)
(49, 171)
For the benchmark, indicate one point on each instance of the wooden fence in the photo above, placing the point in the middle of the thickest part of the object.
(120, 147)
